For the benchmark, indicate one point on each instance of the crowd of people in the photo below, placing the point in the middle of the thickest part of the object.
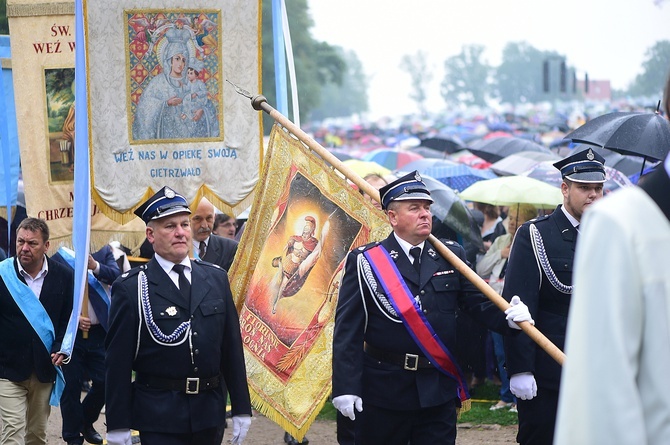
(161, 345)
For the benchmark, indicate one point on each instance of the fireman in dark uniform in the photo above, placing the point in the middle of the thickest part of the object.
(540, 271)
(382, 377)
(173, 322)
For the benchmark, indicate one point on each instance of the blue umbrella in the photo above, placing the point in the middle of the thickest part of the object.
(453, 175)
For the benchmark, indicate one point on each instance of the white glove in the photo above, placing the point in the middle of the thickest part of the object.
(517, 313)
(346, 404)
(119, 437)
(523, 385)
(241, 426)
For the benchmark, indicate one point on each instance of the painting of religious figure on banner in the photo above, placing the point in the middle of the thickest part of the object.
(291, 290)
(285, 280)
(59, 88)
(174, 75)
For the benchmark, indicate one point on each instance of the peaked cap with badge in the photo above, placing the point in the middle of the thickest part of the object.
(406, 188)
(587, 166)
(163, 203)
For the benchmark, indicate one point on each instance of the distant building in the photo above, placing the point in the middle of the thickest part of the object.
(599, 90)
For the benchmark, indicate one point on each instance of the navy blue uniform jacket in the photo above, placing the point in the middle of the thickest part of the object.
(216, 347)
(547, 305)
(366, 318)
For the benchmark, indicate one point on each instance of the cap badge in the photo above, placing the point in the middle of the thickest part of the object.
(417, 176)
(590, 156)
(169, 193)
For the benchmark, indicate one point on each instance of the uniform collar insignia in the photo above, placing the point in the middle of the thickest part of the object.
(171, 311)
(432, 253)
(393, 254)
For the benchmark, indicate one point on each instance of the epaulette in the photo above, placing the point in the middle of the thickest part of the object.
(538, 219)
(205, 263)
(132, 272)
(367, 246)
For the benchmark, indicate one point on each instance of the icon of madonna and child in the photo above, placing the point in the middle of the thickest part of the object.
(174, 103)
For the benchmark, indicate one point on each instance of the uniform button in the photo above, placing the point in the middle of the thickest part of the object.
(565, 266)
(195, 369)
(425, 311)
(195, 334)
(447, 285)
(196, 352)
(423, 292)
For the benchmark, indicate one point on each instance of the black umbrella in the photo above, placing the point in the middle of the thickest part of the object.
(630, 133)
(427, 152)
(494, 149)
(449, 144)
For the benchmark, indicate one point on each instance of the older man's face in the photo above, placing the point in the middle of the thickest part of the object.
(202, 221)
(170, 236)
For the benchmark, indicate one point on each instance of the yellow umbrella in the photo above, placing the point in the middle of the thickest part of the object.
(510, 190)
(364, 168)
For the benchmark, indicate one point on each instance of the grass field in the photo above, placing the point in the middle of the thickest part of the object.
(483, 397)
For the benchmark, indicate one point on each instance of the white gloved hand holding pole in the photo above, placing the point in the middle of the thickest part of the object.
(523, 385)
(241, 426)
(517, 313)
(346, 404)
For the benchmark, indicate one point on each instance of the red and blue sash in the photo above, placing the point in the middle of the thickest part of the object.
(413, 319)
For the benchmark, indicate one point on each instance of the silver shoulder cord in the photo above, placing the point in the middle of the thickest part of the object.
(365, 275)
(543, 261)
(144, 309)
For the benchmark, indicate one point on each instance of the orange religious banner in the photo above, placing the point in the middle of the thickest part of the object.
(286, 277)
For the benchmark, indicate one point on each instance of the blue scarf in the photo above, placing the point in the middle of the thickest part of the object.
(36, 315)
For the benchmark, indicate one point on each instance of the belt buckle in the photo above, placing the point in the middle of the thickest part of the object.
(411, 367)
(192, 385)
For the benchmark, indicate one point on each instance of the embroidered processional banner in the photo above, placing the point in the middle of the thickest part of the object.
(161, 112)
(43, 44)
(286, 275)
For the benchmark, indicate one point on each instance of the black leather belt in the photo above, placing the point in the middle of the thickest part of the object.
(410, 362)
(189, 385)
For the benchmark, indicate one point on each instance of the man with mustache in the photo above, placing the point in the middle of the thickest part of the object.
(210, 247)
(540, 269)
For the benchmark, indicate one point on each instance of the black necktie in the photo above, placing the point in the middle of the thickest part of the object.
(203, 249)
(184, 285)
(415, 252)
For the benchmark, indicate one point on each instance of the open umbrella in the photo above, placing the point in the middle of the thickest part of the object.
(630, 133)
(520, 162)
(453, 175)
(495, 149)
(429, 152)
(448, 144)
(364, 168)
(392, 159)
(546, 172)
(510, 190)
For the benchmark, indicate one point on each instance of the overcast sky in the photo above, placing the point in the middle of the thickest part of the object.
(606, 38)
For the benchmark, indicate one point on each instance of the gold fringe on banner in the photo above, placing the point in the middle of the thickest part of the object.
(40, 9)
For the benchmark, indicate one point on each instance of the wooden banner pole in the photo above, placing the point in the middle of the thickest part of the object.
(259, 102)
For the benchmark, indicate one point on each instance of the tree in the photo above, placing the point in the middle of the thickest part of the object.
(519, 77)
(466, 78)
(4, 24)
(651, 81)
(417, 67)
(316, 63)
(349, 97)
